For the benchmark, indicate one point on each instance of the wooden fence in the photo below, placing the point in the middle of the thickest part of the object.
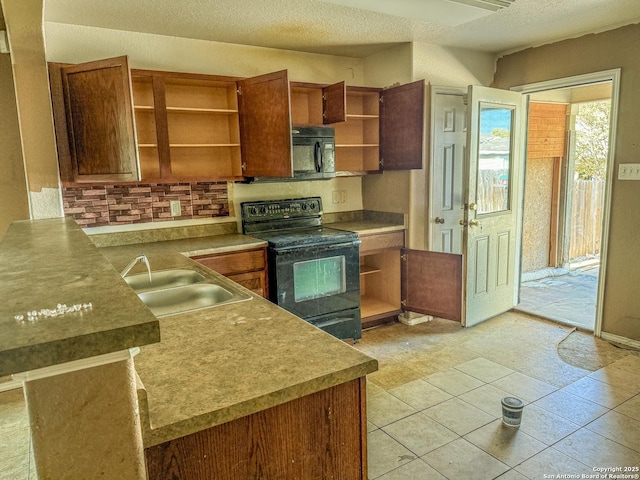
(586, 218)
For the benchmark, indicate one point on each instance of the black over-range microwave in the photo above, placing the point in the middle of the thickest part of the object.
(313, 152)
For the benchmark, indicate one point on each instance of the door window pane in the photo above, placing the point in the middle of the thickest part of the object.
(319, 278)
(494, 158)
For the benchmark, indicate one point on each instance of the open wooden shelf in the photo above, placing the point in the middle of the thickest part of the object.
(370, 307)
(366, 270)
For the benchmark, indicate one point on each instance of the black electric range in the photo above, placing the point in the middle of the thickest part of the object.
(314, 271)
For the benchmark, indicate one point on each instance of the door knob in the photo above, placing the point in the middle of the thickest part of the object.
(463, 223)
(439, 220)
(474, 223)
(473, 206)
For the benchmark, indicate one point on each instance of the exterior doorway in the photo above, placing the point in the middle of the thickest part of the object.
(565, 219)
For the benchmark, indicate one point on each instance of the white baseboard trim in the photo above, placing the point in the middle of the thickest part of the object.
(610, 337)
(10, 385)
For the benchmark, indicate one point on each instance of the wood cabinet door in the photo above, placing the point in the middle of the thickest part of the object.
(334, 103)
(432, 283)
(402, 126)
(265, 125)
(99, 119)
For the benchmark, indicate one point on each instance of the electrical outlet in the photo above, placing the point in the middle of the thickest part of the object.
(629, 171)
(176, 210)
(343, 196)
(335, 196)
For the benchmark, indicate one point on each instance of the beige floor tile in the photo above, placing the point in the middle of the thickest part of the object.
(420, 434)
(524, 387)
(14, 440)
(619, 377)
(420, 394)
(458, 416)
(596, 451)
(373, 388)
(384, 408)
(551, 462)
(511, 475)
(509, 445)
(453, 381)
(573, 408)
(599, 392)
(484, 369)
(371, 427)
(416, 470)
(629, 362)
(385, 454)
(545, 426)
(487, 398)
(393, 375)
(15, 468)
(619, 428)
(630, 408)
(462, 460)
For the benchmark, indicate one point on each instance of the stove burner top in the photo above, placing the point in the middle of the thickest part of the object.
(291, 223)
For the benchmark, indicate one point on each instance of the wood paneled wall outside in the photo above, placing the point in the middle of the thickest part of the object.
(546, 130)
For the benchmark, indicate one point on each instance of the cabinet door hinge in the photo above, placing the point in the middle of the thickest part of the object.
(244, 166)
(381, 100)
(324, 96)
(324, 114)
(239, 90)
(381, 162)
(404, 303)
(403, 257)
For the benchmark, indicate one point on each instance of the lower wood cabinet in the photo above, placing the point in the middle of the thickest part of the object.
(380, 277)
(246, 267)
(322, 435)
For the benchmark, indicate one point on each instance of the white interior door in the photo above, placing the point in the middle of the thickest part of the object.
(491, 240)
(447, 185)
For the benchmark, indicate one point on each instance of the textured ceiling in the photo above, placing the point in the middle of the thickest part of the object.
(321, 27)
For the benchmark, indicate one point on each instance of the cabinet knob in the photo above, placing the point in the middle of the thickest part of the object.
(439, 220)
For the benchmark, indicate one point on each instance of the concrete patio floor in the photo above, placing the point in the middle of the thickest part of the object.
(567, 297)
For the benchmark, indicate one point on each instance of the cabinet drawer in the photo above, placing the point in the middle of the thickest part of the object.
(381, 241)
(233, 263)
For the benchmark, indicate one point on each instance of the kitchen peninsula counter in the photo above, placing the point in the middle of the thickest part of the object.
(44, 263)
(227, 362)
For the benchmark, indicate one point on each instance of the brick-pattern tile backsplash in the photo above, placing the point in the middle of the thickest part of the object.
(121, 204)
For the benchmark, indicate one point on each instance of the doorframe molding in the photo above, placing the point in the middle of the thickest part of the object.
(612, 76)
(435, 90)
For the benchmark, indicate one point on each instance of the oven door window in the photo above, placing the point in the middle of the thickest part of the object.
(321, 277)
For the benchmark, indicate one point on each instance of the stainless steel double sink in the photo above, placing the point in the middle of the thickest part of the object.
(181, 290)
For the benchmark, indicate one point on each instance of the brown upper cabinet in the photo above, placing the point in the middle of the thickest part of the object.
(116, 124)
(269, 106)
(384, 129)
(94, 122)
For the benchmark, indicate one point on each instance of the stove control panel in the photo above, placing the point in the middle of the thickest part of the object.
(281, 209)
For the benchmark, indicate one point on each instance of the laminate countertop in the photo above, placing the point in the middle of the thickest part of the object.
(44, 263)
(223, 363)
(367, 226)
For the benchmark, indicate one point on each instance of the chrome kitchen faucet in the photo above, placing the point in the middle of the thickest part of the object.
(139, 258)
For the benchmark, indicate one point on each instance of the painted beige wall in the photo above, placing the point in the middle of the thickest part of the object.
(437, 66)
(593, 53)
(26, 40)
(13, 186)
